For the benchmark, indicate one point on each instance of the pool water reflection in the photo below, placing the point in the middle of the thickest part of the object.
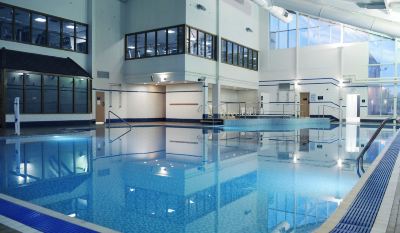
(166, 179)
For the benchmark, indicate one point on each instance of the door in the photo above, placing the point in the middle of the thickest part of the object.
(100, 115)
(304, 104)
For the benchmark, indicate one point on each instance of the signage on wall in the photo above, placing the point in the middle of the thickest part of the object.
(313, 98)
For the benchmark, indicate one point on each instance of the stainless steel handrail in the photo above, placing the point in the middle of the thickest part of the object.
(124, 121)
(360, 158)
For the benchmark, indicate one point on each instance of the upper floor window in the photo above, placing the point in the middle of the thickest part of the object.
(282, 35)
(238, 55)
(26, 26)
(170, 41)
(315, 31)
(159, 42)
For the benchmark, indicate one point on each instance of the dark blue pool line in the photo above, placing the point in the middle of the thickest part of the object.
(364, 209)
(38, 221)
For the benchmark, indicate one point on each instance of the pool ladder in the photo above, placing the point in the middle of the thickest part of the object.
(360, 158)
(109, 126)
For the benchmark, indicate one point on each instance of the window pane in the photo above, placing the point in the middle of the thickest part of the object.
(22, 26)
(54, 32)
(172, 41)
(81, 95)
(202, 44)
(193, 41)
(81, 38)
(140, 50)
(14, 89)
(246, 57)
(250, 59)
(6, 18)
(273, 40)
(387, 100)
(235, 54)
(130, 46)
(240, 54)
(151, 44)
(39, 29)
(162, 42)
(303, 37)
(381, 71)
(230, 53)
(283, 40)
(292, 39)
(50, 94)
(33, 96)
(68, 39)
(273, 23)
(66, 84)
(209, 46)
(181, 39)
(255, 60)
(223, 51)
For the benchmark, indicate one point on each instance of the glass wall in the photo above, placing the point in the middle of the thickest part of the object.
(47, 93)
(201, 43)
(238, 55)
(170, 41)
(282, 35)
(31, 27)
(314, 31)
(159, 42)
(381, 100)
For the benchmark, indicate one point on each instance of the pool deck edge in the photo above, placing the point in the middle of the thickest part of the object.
(57, 215)
(382, 220)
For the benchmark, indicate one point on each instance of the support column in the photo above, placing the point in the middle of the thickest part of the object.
(216, 99)
(205, 100)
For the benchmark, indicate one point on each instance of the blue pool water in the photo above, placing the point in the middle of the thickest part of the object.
(168, 179)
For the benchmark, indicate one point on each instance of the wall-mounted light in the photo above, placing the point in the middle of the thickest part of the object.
(249, 29)
(200, 7)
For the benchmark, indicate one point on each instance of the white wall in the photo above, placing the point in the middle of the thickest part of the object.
(189, 98)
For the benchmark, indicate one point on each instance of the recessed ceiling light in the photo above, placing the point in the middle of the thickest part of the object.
(70, 26)
(131, 47)
(40, 20)
(171, 31)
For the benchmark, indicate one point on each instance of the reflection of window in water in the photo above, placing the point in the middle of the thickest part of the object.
(44, 160)
(288, 211)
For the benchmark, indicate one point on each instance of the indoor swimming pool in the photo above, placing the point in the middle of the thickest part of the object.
(182, 179)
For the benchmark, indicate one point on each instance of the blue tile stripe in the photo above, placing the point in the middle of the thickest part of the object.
(363, 211)
(39, 221)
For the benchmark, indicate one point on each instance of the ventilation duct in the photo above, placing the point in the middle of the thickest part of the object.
(356, 19)
(393, 5)
(276, 11)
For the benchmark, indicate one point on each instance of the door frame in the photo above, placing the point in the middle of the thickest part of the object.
(97, 114)
(302, 106)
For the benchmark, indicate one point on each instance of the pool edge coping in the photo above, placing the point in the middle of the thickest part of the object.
(382, 219)
(54, 214)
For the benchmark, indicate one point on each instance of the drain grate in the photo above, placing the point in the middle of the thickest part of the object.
(364, 209)
(38, 221)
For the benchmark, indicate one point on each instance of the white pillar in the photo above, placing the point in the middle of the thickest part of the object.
(216, 99)
(205, 100)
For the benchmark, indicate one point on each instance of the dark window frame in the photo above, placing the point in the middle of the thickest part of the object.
(89, 93)
(247, 65)
(31, 12)
(182, 42)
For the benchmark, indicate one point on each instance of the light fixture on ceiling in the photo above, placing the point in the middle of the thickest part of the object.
(248, 29)
(40, 20)
(170, 31)
(70, 26)
(201, 7)
(276, 11)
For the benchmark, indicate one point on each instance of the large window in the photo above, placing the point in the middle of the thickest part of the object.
(238, 55)
(39, 34)
(381, 100)
(6, 22)
(47, 93)
(160, 42)
(31, 27)
(314, 31)
(282, 35)
(201, 43)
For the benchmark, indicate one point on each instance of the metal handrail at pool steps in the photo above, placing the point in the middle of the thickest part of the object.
(361, 211)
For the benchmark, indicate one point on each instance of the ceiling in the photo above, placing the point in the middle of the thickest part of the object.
(372, 15)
